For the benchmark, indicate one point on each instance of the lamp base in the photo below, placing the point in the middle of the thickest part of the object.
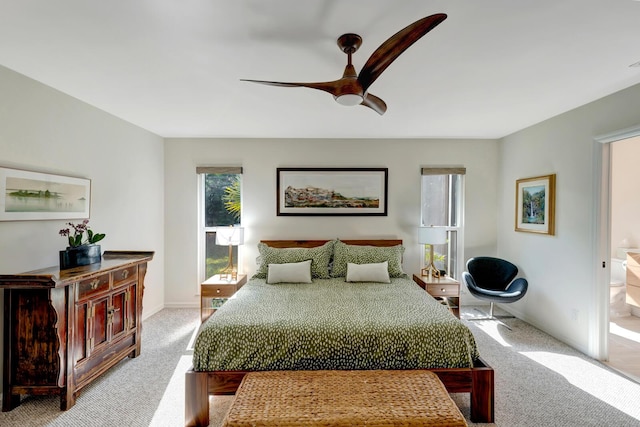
(228, 273)
(430, 270)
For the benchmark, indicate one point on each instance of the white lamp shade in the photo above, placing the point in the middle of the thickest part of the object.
(432, 235)
(229, 236)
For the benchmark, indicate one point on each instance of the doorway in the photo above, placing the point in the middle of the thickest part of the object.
(618, 231)
(624, 319)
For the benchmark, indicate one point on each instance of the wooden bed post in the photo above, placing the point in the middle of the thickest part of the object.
(196, 399)
(482, 394)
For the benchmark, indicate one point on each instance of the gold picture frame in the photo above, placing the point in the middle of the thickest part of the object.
(535, 204)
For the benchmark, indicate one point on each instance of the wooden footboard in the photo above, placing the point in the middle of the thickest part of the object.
(477, 381)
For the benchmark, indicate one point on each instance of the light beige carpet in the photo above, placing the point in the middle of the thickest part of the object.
(539, 382)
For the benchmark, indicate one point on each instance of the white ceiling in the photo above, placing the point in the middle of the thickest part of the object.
(174, 66)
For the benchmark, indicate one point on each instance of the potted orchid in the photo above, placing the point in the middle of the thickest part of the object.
(82, 249)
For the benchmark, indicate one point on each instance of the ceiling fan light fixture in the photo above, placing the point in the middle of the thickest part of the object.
(349, 99)
(352, 88)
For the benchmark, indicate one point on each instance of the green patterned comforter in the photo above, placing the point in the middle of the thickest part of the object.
(332, 324)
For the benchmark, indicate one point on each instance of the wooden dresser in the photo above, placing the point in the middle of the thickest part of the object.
(64, 328)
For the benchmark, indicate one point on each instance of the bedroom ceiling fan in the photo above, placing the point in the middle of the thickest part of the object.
(352, 88)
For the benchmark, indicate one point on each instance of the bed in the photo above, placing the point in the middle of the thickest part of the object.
(333, 307)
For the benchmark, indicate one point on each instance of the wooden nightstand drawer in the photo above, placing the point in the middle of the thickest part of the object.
(214, 291)
(218, 291)
(443, 290)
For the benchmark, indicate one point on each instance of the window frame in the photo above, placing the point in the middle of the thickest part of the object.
(201, 171)
(452, 230)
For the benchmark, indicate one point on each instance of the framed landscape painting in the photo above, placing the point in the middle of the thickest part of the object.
(332, 191)
(26, 195)
(535, 204)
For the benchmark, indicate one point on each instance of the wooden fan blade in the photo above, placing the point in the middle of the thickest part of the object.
(394, 46)
(375, 103)
(330, 87)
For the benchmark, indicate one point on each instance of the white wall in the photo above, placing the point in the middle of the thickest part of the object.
(260, 158)
(625, 203)
(561, 268)
(44, 130)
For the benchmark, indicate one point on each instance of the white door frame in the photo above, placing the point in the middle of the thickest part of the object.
(599, 323)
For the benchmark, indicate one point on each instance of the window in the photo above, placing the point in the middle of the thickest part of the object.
(442, 205)
(219, 205)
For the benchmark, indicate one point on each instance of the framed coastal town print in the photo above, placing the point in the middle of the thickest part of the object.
(535, 204)
(332, 191)
(26, 195)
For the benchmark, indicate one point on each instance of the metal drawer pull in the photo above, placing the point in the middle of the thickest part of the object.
(94, 283)
(443, 290)
(125, 274)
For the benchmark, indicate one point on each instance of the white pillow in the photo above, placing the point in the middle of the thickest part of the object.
(294, 272)
(377, 272)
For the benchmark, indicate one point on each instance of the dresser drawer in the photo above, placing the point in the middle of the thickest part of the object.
(442, 290)
(92, 286)
(124, 275)
(218, 290)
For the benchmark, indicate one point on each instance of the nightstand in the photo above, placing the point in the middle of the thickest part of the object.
(443, 288)
(215, 291)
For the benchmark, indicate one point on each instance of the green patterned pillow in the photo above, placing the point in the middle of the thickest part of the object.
(356, 254)
(319, 256)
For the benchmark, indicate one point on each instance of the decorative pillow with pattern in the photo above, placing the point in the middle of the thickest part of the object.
(319, 256)
(356, 254)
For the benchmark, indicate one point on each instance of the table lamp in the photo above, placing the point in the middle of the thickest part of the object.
(431, 236)
(232, 236)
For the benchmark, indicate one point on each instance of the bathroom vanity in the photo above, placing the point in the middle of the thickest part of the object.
(633, 279)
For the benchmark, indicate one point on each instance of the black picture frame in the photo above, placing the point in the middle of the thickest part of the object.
(332, 191)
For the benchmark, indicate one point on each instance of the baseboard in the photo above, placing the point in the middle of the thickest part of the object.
(148, 312)
(544, 327)
(181, 305)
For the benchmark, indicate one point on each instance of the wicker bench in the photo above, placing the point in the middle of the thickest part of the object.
(343, 398)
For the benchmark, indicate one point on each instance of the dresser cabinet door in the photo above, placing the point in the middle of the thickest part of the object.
(99, 322)
(118, 313)
(92, 323)
(131, 307)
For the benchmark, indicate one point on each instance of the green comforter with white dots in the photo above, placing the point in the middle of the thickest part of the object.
(332, 324)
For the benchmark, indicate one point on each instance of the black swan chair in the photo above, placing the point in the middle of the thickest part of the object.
(492, 279)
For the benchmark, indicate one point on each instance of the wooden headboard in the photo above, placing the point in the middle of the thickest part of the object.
(314, 243)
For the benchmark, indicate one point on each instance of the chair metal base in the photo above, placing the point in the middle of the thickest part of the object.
(493, 317)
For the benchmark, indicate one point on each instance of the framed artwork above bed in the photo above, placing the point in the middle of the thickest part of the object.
(332, 191)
